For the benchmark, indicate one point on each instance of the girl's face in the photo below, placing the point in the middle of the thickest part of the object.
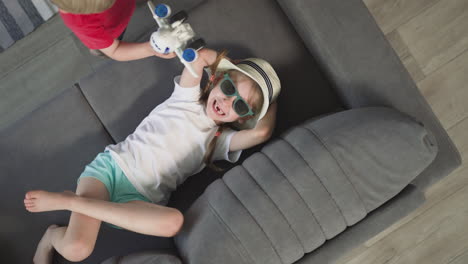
(219, 106)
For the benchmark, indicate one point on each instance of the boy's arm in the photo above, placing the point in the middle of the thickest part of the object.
(248, 138)
(205, 58)
(125, 51)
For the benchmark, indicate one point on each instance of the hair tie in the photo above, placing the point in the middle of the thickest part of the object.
(212, 78)
(218, 133)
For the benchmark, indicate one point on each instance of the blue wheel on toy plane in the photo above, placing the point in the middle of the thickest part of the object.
(190, 55)
(162, 10)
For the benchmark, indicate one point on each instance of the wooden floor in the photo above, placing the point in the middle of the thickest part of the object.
(431, 38)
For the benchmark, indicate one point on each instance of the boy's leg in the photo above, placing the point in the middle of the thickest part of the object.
(76, 241)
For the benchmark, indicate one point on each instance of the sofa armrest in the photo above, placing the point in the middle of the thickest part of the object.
(365, 70)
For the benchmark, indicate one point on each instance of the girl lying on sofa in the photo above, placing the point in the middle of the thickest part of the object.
(129, 184)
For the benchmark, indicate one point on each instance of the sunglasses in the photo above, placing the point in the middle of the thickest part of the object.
(239, 105)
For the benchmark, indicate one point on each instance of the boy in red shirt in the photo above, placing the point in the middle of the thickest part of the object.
(100, 23)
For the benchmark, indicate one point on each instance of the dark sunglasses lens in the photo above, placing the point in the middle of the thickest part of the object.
(241, 107)
(227, 88)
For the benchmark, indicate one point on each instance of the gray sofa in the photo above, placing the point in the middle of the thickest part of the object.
(330, 56)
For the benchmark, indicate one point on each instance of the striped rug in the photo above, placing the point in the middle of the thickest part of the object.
(20, 17)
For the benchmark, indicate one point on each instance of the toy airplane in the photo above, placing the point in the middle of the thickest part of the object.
(174, 36)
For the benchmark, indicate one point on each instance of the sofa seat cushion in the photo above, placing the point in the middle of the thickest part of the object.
(47, 150)
(306, 187)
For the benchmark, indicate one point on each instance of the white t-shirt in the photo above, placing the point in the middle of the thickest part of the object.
(169, 145)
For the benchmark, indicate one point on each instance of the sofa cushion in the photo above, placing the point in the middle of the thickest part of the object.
(375, 222)
(48, 150)
(306, 187)
(149, 257)
(378, 149)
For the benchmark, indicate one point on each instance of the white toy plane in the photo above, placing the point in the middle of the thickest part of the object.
(174, 36)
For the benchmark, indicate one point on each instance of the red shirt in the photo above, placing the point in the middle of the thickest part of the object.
(98, 30)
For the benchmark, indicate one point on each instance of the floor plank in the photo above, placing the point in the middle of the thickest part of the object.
(460, 259)
(446, 90)
(437, 35)
(435, 39)
(430, 250)
(405, 56)
(431, 231)
(391, 14)
(438, 192)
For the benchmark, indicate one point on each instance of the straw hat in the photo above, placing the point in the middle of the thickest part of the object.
(261, 72)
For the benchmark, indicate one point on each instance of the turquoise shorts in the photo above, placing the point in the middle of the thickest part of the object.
(106, 170)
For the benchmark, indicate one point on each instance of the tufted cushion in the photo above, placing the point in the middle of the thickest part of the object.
(305, 188)
(149, 257)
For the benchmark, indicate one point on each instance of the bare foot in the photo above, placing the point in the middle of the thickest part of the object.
(42, 201)
(44, 251)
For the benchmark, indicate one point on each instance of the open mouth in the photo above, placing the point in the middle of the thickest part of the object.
(217, 109)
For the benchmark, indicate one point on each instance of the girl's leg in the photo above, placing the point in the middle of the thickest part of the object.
(137, 216)
(76, 241)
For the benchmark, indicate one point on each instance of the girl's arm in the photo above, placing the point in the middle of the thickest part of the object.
(205, 58)
(125, 51)
(248, 138)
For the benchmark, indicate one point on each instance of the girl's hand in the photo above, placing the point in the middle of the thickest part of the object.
(205, 58)
(248, 138)
(266, 125)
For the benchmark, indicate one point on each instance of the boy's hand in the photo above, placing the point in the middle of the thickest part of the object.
(124, 51)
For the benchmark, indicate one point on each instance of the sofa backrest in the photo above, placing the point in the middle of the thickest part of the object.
(305, 188)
